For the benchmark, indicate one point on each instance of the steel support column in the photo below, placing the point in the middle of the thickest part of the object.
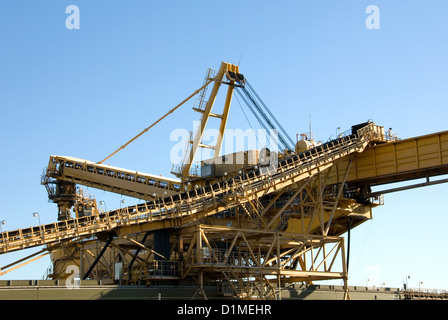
(111, 237)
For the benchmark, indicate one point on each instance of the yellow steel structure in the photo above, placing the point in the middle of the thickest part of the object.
(396, 161)
(248, 231)
(105, 177)
(231, 72)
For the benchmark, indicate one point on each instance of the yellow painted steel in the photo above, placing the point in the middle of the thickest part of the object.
(188, 207)
(105, 177)
(224, 70)
(280, 218)
(396, 161)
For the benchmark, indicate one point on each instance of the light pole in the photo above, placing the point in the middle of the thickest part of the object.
(36, 214)
(1, 231)
(103, 203)
(121, 201)
(407, 277)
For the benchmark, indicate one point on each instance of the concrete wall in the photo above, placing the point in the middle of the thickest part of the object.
(93, 290)
(330, 292)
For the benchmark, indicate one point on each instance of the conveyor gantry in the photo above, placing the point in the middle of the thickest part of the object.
(186, 207)
(282, 218)
(105, 177)
(398, 161)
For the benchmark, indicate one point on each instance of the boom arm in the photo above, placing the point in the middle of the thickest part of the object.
(123, 181)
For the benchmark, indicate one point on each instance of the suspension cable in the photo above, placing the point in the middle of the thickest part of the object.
(253, 100)
(152, 125)
(270, 113)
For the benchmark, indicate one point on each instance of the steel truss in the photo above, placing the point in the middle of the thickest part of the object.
(249, 250)
(248, 231)
(254, 263)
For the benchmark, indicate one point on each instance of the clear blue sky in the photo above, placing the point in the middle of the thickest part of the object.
(84, 92)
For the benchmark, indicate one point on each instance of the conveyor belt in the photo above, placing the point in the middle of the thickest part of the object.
(123, 181)
(186, 207)
(397, 161)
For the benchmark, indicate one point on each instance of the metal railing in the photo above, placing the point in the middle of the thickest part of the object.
(193, 204)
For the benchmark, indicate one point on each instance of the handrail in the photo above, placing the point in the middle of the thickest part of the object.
(185, 204)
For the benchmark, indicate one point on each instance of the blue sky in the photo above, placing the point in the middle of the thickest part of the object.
(85, 92)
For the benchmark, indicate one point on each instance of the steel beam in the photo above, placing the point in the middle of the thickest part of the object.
(111, 237)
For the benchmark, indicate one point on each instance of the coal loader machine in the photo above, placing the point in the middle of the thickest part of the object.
(247, 223)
